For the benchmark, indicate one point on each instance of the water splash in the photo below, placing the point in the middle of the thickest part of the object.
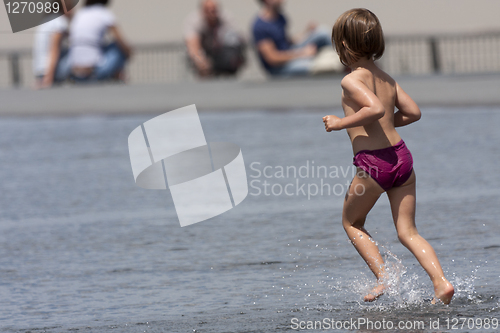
(403, 289)
(465, 290)
(310, 285)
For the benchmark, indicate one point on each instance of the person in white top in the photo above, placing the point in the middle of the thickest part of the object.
(91, 59)
(50, 57)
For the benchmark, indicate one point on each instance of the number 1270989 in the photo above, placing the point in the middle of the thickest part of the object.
(22, 7)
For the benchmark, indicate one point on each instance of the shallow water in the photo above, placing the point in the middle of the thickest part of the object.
(82, 248)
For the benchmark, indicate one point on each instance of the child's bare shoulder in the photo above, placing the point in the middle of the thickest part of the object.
(389, 79)
(350, 80)
(386, 77)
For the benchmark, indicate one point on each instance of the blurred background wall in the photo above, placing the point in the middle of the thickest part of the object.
(157, 21)
(424, 36)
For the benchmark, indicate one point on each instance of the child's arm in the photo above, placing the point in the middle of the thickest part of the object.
(371, 109)
(408, 111)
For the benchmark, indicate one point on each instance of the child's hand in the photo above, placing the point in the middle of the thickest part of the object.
(332, 123)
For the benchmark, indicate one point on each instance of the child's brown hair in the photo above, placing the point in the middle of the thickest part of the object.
(357, 34)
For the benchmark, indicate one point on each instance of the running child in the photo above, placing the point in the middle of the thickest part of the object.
(384, 163)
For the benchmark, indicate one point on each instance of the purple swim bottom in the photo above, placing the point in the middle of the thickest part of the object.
(389, 167)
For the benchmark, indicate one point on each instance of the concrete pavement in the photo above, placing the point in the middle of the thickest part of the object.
(229, 95)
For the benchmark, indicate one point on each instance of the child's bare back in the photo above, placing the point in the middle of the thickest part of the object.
(381, 88)
(367, 86)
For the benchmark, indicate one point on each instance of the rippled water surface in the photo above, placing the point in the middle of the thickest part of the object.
(83, 249)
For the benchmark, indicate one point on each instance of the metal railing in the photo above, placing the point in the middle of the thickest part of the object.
(158, 63)
(444, 54)
(150, 64)
(404, 55)
(13, 70)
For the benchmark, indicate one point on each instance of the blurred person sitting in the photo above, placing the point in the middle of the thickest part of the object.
(214, 46)
(278, 53)
(91, 59)
(50, 51)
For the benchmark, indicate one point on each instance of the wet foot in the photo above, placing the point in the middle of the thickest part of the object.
(375, 293)
(444, 292)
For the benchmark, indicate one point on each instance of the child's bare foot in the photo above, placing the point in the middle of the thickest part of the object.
(375, 293)
(444, 292)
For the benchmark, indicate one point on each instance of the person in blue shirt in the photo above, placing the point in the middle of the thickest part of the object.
(278, 53)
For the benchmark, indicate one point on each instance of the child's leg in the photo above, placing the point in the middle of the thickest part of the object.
(403, 211)
(363, 194)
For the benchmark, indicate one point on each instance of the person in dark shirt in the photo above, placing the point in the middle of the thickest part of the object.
(214, 46)
(279, 55)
